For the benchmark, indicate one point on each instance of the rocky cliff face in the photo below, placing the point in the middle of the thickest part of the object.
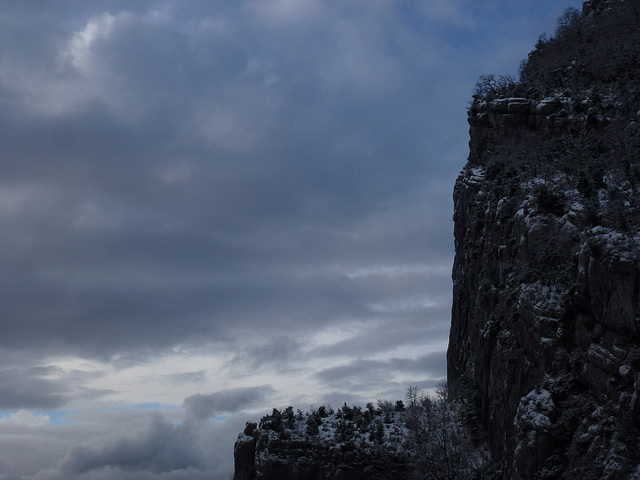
(545, 335)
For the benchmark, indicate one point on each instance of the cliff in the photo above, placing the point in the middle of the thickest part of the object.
(545, 327)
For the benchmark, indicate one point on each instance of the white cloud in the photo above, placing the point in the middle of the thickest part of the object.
(24, 418)
(80, 50)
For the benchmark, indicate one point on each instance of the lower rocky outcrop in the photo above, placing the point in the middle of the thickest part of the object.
(325, 446)
(425, 439)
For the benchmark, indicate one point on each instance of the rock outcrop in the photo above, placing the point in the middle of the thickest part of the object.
(545, 335)
(350, 444)
(427, 439)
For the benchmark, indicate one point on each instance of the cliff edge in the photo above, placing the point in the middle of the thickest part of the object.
(545, 334)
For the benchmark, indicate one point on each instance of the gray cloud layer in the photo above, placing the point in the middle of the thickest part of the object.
(178, 176)
(158, 447)
(202, 406)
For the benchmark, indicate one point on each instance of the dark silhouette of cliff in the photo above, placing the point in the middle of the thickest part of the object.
(545, 334)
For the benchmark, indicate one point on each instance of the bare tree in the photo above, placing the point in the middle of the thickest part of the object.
(568, 23)
(443, 442)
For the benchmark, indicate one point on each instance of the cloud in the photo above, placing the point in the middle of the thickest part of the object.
(280, 352)
(120, 443)
(25, 417)
(187, 377)
(158, 447)
(384, 337)
(26, 388)
(198, 165)
(362, 371)
(202, 406)
(354, 368)
(153, 445)
(432, 364)
(42, 388)
(236, 164)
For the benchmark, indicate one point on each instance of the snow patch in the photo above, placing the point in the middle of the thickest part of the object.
(534, 410)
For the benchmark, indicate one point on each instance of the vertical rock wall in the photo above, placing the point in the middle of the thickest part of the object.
(546, 308)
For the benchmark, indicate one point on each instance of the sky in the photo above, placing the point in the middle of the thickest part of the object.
(210, 209)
